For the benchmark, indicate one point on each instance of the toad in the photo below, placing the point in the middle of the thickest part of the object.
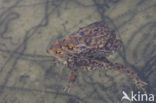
(88, 49)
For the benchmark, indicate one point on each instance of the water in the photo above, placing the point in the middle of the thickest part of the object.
(28, 74)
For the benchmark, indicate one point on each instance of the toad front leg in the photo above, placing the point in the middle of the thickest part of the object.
(72, 79)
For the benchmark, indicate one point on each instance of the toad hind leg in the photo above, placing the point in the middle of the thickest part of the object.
(139, 83)
(120, 68)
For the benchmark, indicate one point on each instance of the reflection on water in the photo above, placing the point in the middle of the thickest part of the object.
(28, 74)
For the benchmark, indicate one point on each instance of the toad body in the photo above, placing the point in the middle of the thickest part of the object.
(88, 49)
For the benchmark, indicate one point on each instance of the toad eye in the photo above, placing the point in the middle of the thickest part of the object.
(58, 51)
(70, 47)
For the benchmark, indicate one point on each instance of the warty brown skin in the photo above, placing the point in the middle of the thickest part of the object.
(87, 50)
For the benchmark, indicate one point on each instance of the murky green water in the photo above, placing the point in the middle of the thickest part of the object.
(28, 74)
